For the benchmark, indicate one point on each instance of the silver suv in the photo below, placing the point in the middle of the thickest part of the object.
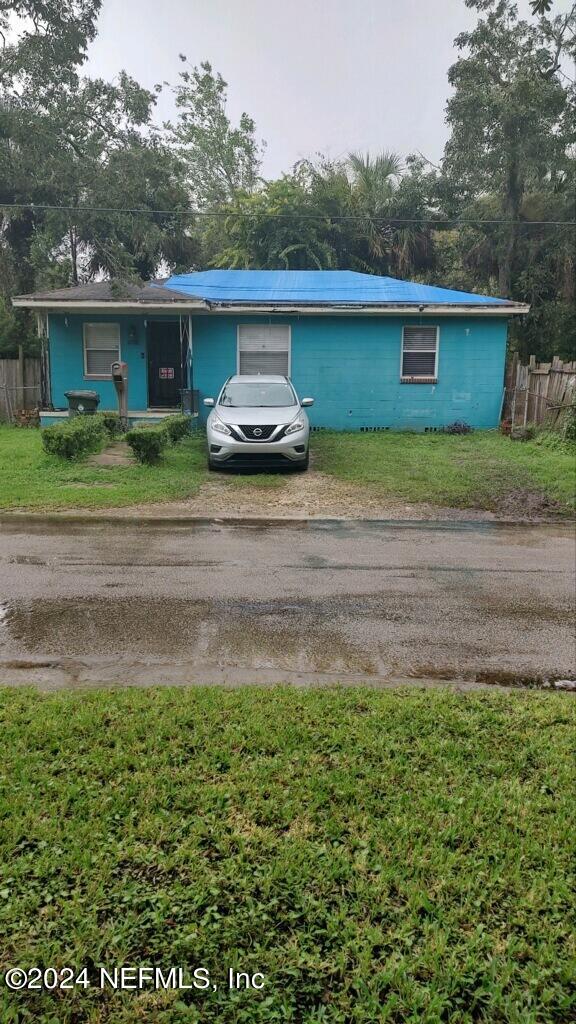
(258, 420)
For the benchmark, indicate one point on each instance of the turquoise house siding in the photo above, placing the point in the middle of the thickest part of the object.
(350, 365)
(67, 359)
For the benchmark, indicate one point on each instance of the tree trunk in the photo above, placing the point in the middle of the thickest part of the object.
(74, 255)
(512, 203)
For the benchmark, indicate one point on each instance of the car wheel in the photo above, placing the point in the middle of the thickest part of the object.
(303, 466)
(212, 465)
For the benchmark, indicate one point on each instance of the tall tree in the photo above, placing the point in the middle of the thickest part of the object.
(369, 201)
(71, 142)
(374, 180)
(44, 43)
(508, 113)
(221, 159)
(277, 227)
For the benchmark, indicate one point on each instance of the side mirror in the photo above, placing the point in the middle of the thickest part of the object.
(209, 402)
(306, 402)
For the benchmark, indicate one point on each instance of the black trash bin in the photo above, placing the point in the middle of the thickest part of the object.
(187, 400)
(82, 403)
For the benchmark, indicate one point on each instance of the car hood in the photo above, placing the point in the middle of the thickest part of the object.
(266, 416)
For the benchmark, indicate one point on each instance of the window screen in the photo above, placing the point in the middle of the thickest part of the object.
(264, 348)
(419, 350)
(101, 348)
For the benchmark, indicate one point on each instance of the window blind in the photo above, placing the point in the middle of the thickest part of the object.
(264, 348)
(419, 350)
(101, 348)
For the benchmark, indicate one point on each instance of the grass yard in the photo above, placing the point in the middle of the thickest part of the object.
(482, 470)
(479, 470)
(381, 857)
(29, 478)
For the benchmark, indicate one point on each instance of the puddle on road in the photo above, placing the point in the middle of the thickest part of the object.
(283, 633)
(353, 634)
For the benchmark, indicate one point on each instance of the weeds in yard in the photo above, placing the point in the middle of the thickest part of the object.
(479, 470)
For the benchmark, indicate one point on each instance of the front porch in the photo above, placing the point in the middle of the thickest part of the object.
(79, 350)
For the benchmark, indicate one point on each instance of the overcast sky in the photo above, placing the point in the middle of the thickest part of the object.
(325, 76)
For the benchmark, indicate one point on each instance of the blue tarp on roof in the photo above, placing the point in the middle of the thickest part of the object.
(316, 287)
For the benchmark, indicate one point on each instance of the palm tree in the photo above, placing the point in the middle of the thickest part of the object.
(374, 181)
(374, 178)
(382, 192)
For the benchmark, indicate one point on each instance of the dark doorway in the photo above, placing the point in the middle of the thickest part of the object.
(164, 365)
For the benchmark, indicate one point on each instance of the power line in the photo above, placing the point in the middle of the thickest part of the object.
(138, 211)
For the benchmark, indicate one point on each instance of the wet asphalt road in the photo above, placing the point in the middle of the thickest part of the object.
(87, 603)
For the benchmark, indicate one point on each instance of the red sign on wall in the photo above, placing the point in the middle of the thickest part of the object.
(166, 372)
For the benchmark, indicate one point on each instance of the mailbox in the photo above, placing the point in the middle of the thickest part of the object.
(120, 378)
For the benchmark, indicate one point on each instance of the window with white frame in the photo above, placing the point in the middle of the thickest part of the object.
(264, 348)
(419, 353)
(101, 349)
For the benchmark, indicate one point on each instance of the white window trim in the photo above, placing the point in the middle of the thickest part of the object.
(98, 323)
(289, 326)
(425, 378)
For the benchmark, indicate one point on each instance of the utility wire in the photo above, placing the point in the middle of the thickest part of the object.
(137, 211)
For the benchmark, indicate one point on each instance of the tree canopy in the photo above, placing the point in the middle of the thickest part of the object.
(91, 185)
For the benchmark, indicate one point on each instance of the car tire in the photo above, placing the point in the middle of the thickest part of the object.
(212, 466)
(301, 467)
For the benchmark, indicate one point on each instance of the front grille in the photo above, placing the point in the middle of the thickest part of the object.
(257, 459)
(266, 431)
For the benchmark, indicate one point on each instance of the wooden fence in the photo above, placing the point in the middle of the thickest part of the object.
(539, 394)
(19, 386)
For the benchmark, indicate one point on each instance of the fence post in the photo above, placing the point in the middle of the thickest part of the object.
(19, 395)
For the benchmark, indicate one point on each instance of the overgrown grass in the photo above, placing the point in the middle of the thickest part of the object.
(477, 470)
(380, 857)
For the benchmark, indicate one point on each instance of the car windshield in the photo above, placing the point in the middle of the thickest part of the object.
(256, 395)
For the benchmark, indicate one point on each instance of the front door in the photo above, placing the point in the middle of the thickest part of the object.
(164, 365)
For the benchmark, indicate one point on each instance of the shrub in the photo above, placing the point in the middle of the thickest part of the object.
(147, 442)
(177, 427)
(74, 437)
(458, 427)
(112, 423)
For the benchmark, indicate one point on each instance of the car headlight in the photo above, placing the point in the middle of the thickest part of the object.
(220, 427)
(296, 424)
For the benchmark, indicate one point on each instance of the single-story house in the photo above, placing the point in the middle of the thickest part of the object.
(375, 353)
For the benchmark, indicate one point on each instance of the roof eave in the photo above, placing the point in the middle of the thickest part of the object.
(105, 306)
(382, 309)
(205, 305)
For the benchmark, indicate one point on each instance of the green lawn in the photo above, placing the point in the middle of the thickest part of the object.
(477, 470)
(481, 470)
(29, 478)
(380, 857)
